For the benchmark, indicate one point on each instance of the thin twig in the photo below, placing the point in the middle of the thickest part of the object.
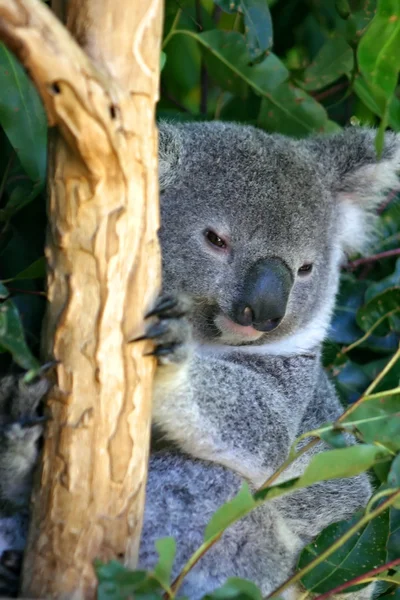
(359, 579)
(371, 259)
(387, 200)
(329, 92)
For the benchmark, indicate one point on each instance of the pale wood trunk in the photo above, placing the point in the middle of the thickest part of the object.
(104, 266)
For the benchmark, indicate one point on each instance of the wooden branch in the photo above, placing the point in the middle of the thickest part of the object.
(104, 266)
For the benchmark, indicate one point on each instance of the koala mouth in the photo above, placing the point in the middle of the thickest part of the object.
(244, 333)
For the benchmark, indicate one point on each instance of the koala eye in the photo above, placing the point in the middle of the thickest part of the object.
(305, 269)
(214, 239)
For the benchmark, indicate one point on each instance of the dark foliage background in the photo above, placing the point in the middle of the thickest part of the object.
(291, 66)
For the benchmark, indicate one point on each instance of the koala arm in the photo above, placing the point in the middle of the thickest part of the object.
(223, 410)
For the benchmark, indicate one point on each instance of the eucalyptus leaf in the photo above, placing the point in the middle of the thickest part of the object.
(22, 116)
(4, 293)
(257, 21)
(36, 270)
(378, 421)
(292, 111)
(229, 49)
(12, 336)
(391, 281)
(333, 60)
(364, 551)
(236, 589)
(393, 543)
(332, 464)
(230, 512)
(378, 49)
(166, 548)
(380, 308)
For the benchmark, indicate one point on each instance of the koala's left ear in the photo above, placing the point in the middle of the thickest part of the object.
(357, 178)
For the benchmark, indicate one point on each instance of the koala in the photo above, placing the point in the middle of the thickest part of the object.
(254, 227)
(20, 430)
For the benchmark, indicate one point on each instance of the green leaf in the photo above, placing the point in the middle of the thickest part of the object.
(231, 511)
(391, 281)
(343, 462)
(12, 336)
(333, 464)
(365, 550)
(333, 60)
(380, 308)
(166, 548)
(258, 27)
(236, 589)
(116, 582)
(291, 111)
(257, 21)
(22, 116)
(343, 8)
(36, 270)
(21, 196)
(163, 60)
(4, 293)
(229, 49)
(378, 49)
(334, 438)
(394, 473)
(393, 544)
(378, 421)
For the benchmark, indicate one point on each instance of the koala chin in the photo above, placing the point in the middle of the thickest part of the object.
(254, 229)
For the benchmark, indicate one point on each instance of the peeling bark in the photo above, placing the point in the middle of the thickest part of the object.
(103, 273)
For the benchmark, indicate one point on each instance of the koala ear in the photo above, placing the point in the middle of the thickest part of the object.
(358, 180)
(169, 153)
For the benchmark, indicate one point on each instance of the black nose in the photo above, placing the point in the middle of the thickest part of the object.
(265, 295)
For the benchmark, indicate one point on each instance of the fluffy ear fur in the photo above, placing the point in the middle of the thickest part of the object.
(169, 153)
(358, 179)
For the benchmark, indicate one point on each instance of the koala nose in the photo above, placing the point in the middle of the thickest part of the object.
(265, 295)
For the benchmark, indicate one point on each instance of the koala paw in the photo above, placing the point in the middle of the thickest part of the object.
(20, 428)
(171, 332)
(9, 578)
(20, 400)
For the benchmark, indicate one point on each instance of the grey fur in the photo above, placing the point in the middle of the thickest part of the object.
(234, 406)
(228, 406)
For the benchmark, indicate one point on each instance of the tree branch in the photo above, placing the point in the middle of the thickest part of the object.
(74, 92)
(103, 274)
(367, 260)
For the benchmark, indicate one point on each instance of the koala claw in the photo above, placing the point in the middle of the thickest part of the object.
(170, 307)
(171, 332)
(12, 560)
(22, 432)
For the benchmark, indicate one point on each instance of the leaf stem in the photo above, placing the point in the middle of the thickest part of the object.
(378, 496)
(371, 330)
(335, 546)
(385, 370)
(287, 463)
(384, 394)
(367, 394)
(193, 560)
(174, 25)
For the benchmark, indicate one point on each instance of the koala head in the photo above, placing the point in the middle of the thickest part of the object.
(254, 226)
